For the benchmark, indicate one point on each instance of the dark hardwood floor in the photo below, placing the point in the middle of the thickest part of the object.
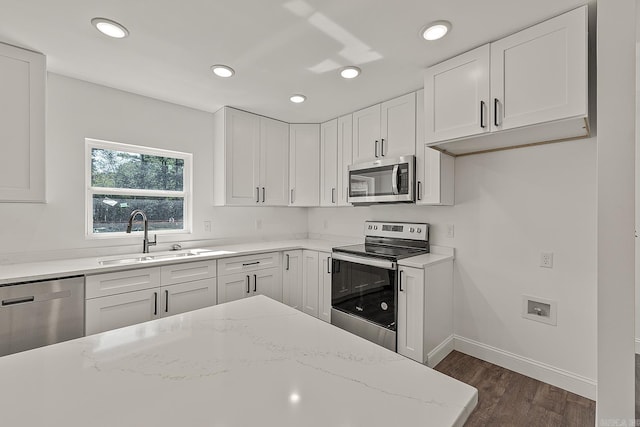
(506, 398)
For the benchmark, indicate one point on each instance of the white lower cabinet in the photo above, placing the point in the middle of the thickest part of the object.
(253, 277)
(316, 284)
(124, 298)
(292, 279)
(425, 312)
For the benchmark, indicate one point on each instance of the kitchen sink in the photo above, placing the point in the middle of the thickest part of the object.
(161, 256)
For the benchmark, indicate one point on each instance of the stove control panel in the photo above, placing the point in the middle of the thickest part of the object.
(397, 230)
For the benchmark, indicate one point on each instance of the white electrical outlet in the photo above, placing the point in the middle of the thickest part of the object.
(258, 224)
(546, 259)
(207, 226)
(450, 231)
(325, 224)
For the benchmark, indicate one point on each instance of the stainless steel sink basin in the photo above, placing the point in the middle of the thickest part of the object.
(161, 256)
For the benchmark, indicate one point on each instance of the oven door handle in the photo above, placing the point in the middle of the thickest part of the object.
(373, 262)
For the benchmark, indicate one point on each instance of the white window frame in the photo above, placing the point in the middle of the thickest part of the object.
(186, 192)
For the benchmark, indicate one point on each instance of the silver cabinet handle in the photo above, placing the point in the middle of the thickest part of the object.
(419, 190)
(263, 192)
(333, 195)
(257, 194)
(382, 147)
(375, 147)
(248, 289)
(12, 301)
(400, 281)
(287, 262)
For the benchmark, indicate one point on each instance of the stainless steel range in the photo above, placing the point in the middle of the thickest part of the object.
(364, 279)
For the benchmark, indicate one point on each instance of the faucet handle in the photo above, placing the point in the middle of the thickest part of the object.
(155, 241)
(176, 247)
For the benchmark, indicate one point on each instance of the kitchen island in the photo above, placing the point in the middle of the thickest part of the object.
(251, 362)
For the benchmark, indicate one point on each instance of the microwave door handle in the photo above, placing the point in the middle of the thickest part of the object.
(394, 179)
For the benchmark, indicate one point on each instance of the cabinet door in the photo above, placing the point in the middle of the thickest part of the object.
(324, 286)
(329, 163)
(274, 162)
(292, 279)
(242, 180)
(366, 134)
(435, 184)
(188, 296)
(410, 326)
(116, 311)
(345, 157)
(398, 126)
(310, 283)
(268, 282)
(456, 94)
(22, 125)
(304, 165)
(540, 74)
(234, 287)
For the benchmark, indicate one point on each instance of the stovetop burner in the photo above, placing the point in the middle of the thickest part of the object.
(391, 241)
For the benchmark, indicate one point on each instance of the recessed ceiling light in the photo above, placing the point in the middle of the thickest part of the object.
(297, 98)
(436, 30)
(110, 28)
(222, 70)
(350, 72)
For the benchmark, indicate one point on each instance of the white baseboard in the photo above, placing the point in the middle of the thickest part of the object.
(637, 345)
(436, 355)
(566, 380)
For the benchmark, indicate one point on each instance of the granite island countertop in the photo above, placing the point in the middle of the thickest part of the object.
(251, 362)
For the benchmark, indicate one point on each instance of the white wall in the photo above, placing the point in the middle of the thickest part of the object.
(76, 110)
(510, 206)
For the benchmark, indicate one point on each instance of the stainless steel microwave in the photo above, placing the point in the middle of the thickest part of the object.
(383, 181)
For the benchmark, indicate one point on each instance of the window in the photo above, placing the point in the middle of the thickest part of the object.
(121, 178)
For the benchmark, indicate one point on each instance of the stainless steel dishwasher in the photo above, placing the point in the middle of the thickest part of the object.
(38, 313)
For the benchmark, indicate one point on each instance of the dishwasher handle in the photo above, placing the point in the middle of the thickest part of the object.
(21, 300)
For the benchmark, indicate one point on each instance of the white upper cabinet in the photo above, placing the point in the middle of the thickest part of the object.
(534, 81)
(540, 74)
(434, 169)
(329, 163)
(398, 126)
(251, 159)
(274, 162)
(366, 134)
(456, 94)
(304, 166)
(22, 125)
(385, 130)
(345, 156)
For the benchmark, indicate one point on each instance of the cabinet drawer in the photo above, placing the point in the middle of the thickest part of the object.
(117, 311)
(101, 285)
(241, 264)
(187, 272)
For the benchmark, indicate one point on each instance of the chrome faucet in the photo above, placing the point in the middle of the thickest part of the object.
(145, 243)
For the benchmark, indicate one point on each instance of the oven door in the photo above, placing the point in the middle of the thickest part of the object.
(389, 180)
(363, 297)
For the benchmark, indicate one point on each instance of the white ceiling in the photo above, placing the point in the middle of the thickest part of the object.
(276, 47)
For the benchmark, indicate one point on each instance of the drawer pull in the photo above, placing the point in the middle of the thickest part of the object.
(14, 301)
(250, 263)
(248, 289)
(255, 283)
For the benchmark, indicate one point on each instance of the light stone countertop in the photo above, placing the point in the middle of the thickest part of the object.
(251, 362)
(43, 270)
